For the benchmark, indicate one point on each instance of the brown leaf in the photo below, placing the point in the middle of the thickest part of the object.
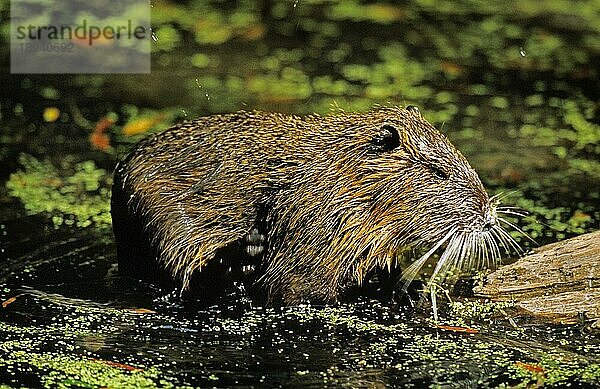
(117, 365)
(140, 310)
(9, 301)
(100, 141)
(530, 367)
(458, 329)
(98, 138)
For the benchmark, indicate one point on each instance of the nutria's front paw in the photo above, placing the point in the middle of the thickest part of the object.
(255, 242)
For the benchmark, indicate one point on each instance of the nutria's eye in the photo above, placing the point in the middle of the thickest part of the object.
(387, 139)
(439, 173)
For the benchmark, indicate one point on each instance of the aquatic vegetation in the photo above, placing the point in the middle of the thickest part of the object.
(65, 371)
(466, 312)
(51, 114)
(383, 13)
(81, 198)
(321, 344)
(553, 222)
(167, 38)
(555, 370)
(210, 23)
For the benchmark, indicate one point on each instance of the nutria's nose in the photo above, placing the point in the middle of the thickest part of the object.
(490, 222)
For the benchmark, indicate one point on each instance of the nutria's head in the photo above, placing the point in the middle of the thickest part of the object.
(388, 183)
(426, 194)
(418, 170)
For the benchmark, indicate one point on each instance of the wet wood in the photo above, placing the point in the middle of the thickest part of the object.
(559, 282)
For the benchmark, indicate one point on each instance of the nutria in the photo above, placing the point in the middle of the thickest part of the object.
(317, 202)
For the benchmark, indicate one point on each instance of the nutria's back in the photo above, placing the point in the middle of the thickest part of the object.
(312, 204)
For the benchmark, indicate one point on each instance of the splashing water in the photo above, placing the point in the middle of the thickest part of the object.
(200, 87)
(522, 52)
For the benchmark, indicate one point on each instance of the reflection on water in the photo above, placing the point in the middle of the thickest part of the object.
(514, 85)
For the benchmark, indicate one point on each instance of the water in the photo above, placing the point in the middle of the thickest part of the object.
(514, 87)
(75, 321)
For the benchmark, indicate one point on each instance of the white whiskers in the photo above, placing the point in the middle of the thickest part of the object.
(411, 272)
(468, 250)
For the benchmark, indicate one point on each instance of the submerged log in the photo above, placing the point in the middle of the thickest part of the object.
(559, 282)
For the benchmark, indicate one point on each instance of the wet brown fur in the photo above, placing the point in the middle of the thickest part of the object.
(337, 203)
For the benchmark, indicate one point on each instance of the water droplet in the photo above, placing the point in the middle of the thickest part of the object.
(522, 52)
(200, 86)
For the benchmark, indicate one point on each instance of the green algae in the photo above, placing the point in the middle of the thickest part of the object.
(555, 370)
(210, 24)
(435, 351)
(475, 311)
(375, 338)
(79, 333)
(383, 13)
(558, 222)
(338, 316)
(80, 198)
(66, 372)
(167, 38)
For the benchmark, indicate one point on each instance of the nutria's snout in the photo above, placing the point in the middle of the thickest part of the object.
(485, 218)
(490, 219)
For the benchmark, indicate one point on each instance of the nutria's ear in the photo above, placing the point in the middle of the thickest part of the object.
(413, 109)
(386, 140)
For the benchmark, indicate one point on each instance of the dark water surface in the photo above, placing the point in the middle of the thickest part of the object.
(514, 85)
(76, 322)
